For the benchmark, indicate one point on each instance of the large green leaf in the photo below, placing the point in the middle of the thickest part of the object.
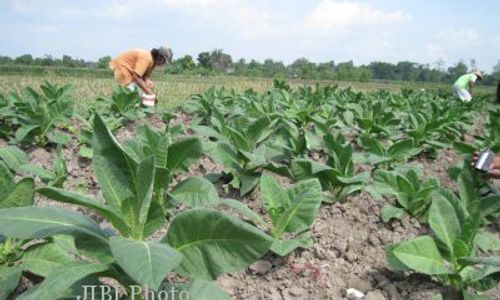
(306, 198)
(9, 278)
(389, 212)
(195, 192)
(422, 255)
(40, 222)
(145, 181)
(110, 213)
(214, 243)
(372, 145)
(249, 180)
(21, 195)
(42, 259)
(146, 262)
(385, 182)
(274, 197)
(6, 180)
(244, 210)
(223, 153)
(183, 153)
(444, 222)
(490, 205)
(13, 157)
(285, 247)
(114, 168)
(58, 283)
(196, 290)
(466, 189)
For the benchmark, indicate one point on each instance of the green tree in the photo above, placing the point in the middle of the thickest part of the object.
(103, 62)
(25, 59)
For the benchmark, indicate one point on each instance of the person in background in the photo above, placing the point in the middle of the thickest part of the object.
(462, 88)
(498, 92)
(133, 69)
(494, 171)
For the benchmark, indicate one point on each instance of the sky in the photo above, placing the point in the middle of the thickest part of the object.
(320, 30)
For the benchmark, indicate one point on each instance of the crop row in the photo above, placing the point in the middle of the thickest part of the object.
(330, 143)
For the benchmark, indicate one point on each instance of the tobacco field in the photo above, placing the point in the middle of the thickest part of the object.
(291, 193)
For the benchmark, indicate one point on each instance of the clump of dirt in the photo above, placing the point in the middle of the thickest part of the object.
(438, 167)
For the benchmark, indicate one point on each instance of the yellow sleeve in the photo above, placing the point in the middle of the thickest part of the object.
(142, 64)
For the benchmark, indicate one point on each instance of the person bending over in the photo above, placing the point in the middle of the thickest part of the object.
(462, 88)
(133, 69)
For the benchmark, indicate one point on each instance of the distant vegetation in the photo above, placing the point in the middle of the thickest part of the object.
(216, 62)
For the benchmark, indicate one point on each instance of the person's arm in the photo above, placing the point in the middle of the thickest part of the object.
(141, 83)
(471, 84)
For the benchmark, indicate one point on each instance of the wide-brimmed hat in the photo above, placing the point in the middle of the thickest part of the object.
(479, 74)
(166, 53)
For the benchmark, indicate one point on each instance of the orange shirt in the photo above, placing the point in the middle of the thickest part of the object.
(138, 61)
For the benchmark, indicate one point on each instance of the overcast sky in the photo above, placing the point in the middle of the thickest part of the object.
(339, 30)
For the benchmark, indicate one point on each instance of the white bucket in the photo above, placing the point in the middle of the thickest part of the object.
(148, 100)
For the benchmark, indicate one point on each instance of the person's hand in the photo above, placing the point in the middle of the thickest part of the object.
(148, 91)
(150, 84)
(495, 173)
(475, 157)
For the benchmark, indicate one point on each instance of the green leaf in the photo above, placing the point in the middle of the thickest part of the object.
(244, 210)
(249, 180)
(385, 182)
(146, 262)
(224, 154)
(466, 190)
(195, 192)
(285, 247)
(196, 290)
(145, 180)
(274, 197)
(239, 140)
(401, 148)
(21, 195)
(58, 137)
(444, 222)
(183, 153)
(6, 180)
(110, 213)
(114, 168)
(36, 170)
(13, 157)
(58, 283)
(214, 243)
(306, 197)
(405, 186)
(469, 296)
(487, 241)
(392, 260)
(489, 260)
(40, 222)
(490, 205)
(422, 255)
(9, 278)
(372, 145)
(389, 212)
(460, 249)
(42, 259)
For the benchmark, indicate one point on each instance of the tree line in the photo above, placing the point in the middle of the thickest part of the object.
(216, 62)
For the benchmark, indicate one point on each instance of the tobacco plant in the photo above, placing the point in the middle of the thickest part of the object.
(200, 243)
